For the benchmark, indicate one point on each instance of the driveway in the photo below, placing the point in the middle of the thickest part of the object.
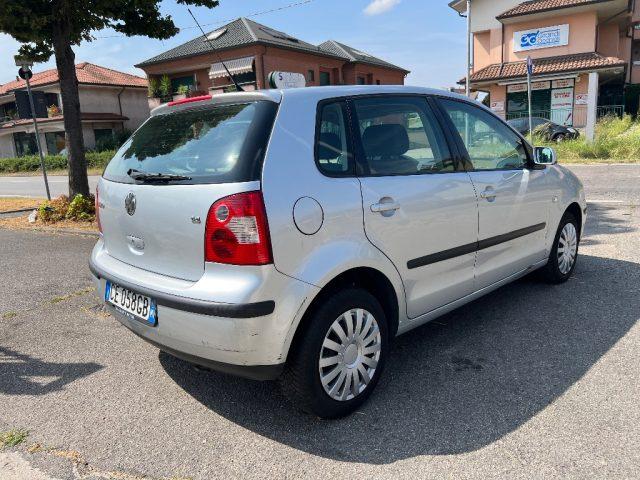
(531, 381)
(33, 186)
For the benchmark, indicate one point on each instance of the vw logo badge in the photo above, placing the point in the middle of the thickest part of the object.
(130, 203)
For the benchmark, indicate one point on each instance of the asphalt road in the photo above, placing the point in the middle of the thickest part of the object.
(532, 381)
(33, 186)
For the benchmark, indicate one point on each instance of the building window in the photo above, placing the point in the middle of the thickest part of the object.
(8, 112)
(325, 78)
(180, 81)
(104, 139)
(377, 82)
(311, 75)
(360, 81)
(55, 142)
(25, 144)
(51, 99)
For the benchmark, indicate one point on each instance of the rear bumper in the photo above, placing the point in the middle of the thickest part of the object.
(248, 334)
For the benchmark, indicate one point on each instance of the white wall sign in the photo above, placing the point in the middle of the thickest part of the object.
(286, 80)
(555, 36)
(582, 99)
(562, 83)
(497, 106)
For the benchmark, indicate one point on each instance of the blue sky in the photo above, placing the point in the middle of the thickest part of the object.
(424, 36)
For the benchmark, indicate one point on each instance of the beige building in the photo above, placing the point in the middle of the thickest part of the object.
(109, 101)
(586, 56)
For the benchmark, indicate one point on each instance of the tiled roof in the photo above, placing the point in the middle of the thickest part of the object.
(564, 63)
(354, 55)
(87, 73)
(537, 6)
(85, 116)
(243, 32)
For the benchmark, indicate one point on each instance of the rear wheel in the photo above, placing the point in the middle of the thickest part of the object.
(336, 363)
(564, 253)
(559, 137)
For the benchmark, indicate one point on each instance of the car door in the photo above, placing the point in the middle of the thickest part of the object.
(420, 209)
(513, 195)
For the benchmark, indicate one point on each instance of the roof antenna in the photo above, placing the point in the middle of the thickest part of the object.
(238, 87)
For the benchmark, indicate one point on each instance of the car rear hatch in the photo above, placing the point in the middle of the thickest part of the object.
(156, 192)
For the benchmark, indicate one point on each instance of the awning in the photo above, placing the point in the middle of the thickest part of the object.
(235, 66)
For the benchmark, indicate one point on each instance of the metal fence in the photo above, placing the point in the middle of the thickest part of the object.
(576, 116)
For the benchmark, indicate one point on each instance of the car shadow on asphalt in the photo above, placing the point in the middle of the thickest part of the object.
(22, 374)
(606, 219)
(457, 384)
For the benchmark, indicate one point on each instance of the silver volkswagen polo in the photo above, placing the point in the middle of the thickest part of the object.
(292, 234)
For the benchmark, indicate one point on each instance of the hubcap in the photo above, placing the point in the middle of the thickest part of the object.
(567, 248)
(349, 355)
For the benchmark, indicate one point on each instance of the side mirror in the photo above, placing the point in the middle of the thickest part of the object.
(544, 156)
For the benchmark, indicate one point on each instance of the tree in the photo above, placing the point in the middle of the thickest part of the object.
(52, 27)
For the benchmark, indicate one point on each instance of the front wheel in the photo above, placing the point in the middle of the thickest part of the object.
(338, 359)
(564, 253)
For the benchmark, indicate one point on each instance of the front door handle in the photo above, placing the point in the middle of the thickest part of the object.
(488, 194)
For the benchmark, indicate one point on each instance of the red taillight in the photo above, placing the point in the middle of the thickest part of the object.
(98, 211)
(189, 100)
(237, 232)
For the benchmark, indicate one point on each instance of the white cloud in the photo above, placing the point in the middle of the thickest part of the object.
(377, 7)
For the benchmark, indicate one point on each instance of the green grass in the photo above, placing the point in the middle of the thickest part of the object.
(12, 438)
(31, 163)
(616, 140)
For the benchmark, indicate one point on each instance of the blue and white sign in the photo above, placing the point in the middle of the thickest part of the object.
(546, 37)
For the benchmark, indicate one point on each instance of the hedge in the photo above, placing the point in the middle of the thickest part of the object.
(31, 163)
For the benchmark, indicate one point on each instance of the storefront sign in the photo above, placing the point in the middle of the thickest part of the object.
(545, 37)
(497, 106)
(563, 83)
(522, 87)
(286, 80)
(582, 99)
(561, 98)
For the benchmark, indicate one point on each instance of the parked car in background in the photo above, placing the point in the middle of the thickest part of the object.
(293, 234)
(544, 127)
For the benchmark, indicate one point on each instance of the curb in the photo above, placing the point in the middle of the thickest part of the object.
(65, 230)
(20, 210)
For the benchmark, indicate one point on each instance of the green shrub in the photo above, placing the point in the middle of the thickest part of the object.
(31, 163)
(165, 86)
(81, 208)
(154, 87)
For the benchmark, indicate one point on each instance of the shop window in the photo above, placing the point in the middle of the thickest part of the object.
(325, 78)
(360, 81)
(55, 142)
(311, 76)
(25, 144)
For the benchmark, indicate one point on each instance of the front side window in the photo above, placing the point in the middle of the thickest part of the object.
(210, 144)
(490, 143)
(333, 154)
(400, 136)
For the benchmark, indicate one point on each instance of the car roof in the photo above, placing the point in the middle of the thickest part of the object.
(314, 94)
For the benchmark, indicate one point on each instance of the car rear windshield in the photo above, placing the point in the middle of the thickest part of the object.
(209, 144)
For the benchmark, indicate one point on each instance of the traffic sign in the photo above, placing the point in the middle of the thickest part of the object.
(25, 73)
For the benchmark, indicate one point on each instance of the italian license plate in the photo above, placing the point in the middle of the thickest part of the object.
(131, 304)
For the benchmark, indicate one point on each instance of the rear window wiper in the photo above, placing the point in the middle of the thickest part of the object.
(155, 177)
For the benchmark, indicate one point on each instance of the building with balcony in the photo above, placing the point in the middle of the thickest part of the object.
(252, 51)
(109, 101)
(586, 56)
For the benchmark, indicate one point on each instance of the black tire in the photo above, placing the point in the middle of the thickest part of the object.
(301, 378)
(551, 271)
(559, 137)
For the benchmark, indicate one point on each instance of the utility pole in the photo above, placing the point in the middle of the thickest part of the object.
(25, 73)
(529, 75)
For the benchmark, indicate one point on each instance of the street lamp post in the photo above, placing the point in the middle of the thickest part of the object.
(469, 47)
(25, 73)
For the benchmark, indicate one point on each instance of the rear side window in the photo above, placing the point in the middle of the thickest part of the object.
(333, 149)
(401, 136)
(209, 144)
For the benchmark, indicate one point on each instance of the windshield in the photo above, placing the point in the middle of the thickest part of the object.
(210, 144)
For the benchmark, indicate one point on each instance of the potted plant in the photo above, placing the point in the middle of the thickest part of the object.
(181, 94)
(154, 93)
(53, 111)
(165, 88)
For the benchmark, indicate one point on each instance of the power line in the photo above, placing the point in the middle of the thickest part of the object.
(255, 14)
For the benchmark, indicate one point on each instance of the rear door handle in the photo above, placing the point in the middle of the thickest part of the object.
(385, 207)
(488, 194)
